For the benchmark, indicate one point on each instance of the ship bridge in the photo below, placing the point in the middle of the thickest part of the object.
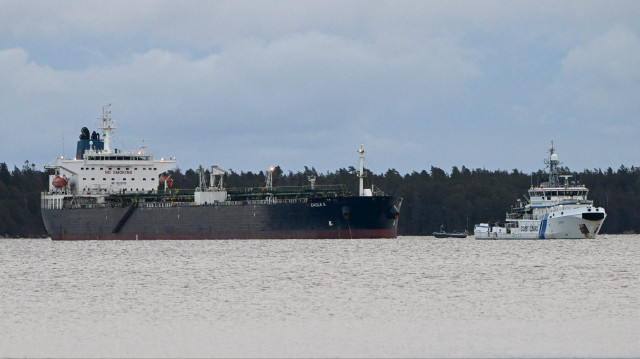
(97, 170)
(549, 196)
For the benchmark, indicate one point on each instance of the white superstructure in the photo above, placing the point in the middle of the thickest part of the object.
(554, 211)
(98, 171)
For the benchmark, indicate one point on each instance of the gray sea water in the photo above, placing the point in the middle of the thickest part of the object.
(407, 297)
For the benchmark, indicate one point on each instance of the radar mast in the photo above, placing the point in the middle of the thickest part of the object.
(107, 127)
(553, 163)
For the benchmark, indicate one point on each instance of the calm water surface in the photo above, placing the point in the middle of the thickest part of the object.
(408, 297)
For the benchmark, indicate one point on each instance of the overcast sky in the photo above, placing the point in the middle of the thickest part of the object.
(251, 84)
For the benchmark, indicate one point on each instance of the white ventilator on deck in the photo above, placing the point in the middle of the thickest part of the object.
(312, 181)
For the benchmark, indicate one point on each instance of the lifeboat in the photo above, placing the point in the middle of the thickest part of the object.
(168, 180)
(59, 182)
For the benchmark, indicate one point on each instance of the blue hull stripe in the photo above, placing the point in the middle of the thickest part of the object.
(543, 226)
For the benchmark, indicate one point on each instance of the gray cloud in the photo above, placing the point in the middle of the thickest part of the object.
(250, 84)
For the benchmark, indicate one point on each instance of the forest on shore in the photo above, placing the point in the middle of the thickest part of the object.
(457, 199)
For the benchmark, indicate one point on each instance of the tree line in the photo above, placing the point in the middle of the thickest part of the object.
(458, 199)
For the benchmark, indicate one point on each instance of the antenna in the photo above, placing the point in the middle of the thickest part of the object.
(531, 179)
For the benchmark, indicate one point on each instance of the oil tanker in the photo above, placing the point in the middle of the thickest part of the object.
(105, 194)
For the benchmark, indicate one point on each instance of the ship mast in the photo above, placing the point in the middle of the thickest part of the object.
(553, 163)
(269, 179)
(107, 127)
(361, 174)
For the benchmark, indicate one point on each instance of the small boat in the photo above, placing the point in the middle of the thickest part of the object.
(444, 234)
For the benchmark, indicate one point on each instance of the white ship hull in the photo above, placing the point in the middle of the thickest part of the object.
(575, 223)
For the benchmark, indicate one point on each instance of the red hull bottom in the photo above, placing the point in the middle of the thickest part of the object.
(332, 234)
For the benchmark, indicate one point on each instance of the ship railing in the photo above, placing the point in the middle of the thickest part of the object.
(49, 201)
(575, 200)
(519, 216)
(377, 191)
(59, 203)
(263, 201)
(290, 191)
(162, 204)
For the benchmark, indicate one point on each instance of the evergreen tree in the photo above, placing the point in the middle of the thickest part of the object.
(431, 198)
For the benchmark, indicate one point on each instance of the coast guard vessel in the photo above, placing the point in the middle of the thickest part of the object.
(554, 211)
(104, 193)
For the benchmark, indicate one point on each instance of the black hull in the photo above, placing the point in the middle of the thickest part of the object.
(335, 218)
